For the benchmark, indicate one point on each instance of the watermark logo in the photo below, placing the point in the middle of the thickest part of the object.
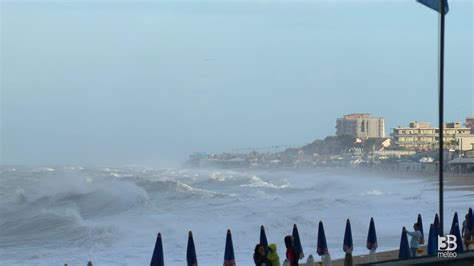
(446, 246)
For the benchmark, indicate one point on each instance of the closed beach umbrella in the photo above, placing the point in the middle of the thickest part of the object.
(229, 258)
(157, 258)
(322, 244)
(372, 236)
(455, 231)
(348, 245)
(263, 239)
(296, 238)
(455, 220)
(436, 225)
(372, 242)
(404, 251)
(191, 251)
(419, 221)
(432, 241)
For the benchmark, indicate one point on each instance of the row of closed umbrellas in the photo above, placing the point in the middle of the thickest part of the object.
(322, 248)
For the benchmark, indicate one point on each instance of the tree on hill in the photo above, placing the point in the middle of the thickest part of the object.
(331, 145)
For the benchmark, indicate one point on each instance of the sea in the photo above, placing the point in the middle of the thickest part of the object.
(111, 216)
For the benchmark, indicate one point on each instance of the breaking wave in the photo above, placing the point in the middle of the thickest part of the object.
(374, 192)
(243, 180)
(255, 181)
(65, 227)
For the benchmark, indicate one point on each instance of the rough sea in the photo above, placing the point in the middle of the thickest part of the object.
(111, 216)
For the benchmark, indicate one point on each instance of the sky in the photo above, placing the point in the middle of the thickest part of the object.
(149, 82)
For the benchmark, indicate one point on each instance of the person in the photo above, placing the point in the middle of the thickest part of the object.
(273, 255)
(290, 251)
(259, 256)
(89, 263)
(415, 239)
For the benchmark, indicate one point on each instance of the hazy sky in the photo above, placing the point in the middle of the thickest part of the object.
(150, 82)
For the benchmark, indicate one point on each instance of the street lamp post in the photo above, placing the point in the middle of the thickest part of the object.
(442, 7)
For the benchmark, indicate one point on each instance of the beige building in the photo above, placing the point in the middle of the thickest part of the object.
(465, 142)
(360, 126)
(421, 136)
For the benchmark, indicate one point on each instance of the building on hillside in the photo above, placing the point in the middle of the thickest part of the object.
(465, 142)
(378, 144)
(385, 154)
(470, 123)
(360, 126)
(421, 136)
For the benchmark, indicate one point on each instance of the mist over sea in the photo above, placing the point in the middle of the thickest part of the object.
(52, 216)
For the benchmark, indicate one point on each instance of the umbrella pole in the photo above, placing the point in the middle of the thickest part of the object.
(441, 114)
(348, 259)
(372, 256)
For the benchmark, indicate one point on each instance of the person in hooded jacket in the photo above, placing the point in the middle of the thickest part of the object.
(415, 239)
(259, 257)
(272, 255)
(290, 251)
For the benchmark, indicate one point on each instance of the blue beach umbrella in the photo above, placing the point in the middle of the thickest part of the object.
(432, 241)
(372, 236)
(229, 258)
(348, 245)
(455, 220)
(404, 251)
(455, 231)
(436, 225)
(157, 258)
(322, 244)
(419, 221)
(191, 251)
(296, 238)
(263, 239)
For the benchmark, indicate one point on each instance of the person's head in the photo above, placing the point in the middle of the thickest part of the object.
(259, 250)
(89, 263)
(416, 226)
(289, 241)
(272, 248)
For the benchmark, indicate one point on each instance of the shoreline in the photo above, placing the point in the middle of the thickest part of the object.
(452, 181)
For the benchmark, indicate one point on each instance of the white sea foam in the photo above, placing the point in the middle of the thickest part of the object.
(115, 174)
(255, 181)
(217, 176)
(373, 192)
(43, 169)
(73, 168)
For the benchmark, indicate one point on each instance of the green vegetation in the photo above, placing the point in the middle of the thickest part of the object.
(331, 145)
